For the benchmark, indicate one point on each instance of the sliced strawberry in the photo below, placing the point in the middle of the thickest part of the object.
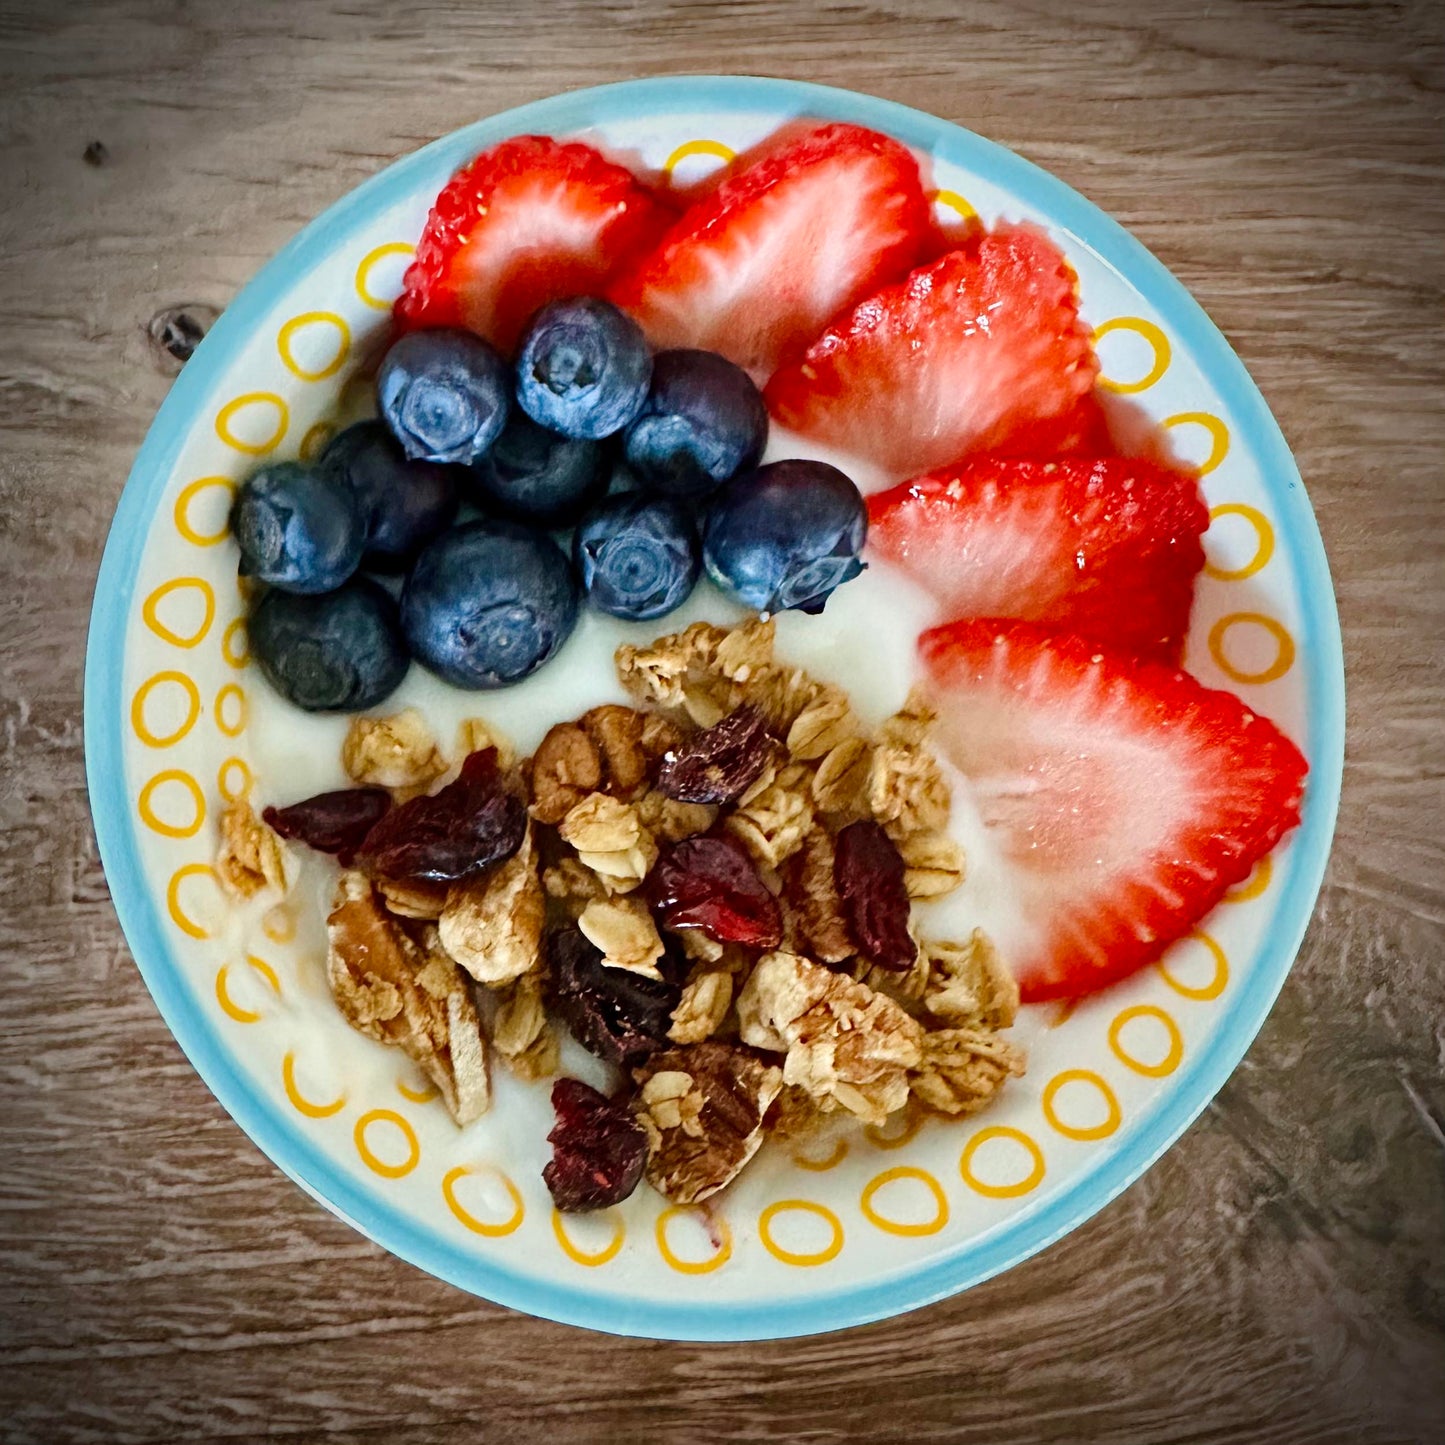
(1108, 548)
(1080, 431)
(1124, 797)
(756, 267)
(983, 341)
(527, 222)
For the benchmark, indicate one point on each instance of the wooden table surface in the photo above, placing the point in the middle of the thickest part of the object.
(1278, 1277)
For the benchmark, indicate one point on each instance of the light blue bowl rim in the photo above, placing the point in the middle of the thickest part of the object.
(975, 1260)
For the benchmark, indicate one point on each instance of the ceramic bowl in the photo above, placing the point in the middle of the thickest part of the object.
(885, 1220)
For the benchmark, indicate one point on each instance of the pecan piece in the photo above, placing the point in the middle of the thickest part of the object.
(702, 1107)
(566, 768)
(398, 992)
(811, 898)
(616, 733)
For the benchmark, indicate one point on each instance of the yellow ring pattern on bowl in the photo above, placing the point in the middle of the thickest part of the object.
(1218, 436)
(188, 494)
(912, 1122)
(368, 261)
(805, 1259)
(716, 1260)
(1016, 1190)
(299, 1101)
(145, 805)
(1202, 993)
(315, 440)
(138, 722)
(151, 616)
(235, 792)
(314, 318)
(423, 1095)
(591, 1260)
(828, 1161)
(235, 407)
(179, 916)
(1173, 1054)
(226, 695)
(369, 1157)
(1284, 643)
(470, 1220)
(1113, 1116)
(237, 658)
(1264, 544)
(278, 923)
(959, 205)
(894, 1226)
(1158, 342)
(1255, 884)
(725, 154)
(223, 996)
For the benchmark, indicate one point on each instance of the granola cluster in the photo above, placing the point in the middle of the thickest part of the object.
(712, 891)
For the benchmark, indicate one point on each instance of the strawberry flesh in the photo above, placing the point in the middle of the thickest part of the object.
(1108, 548)
(756, 267)
(530, 221)
(1081, 430)
(963, 352)
(1124, 798)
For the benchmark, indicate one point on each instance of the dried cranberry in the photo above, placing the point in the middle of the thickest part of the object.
(465, 827)
(720, 763)
(619, 1016)
(332, 822)
(709, 882)
(868, 874)
(598, 1149)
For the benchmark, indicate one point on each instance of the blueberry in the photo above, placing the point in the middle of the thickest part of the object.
(637, 555)
(785, 535)
(444, 394)
(583, 368)
(539, 476)
(703, 422)
(298, 528)
(403, 504)
(488, 603)
(340, 652)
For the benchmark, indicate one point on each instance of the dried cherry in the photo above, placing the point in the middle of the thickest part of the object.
(720, 763)
(709, 882)
(598, 1149)
(332, 822)
(459, 830)
(868, 874)
(619, 1016)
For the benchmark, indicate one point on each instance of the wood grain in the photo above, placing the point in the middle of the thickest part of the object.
(1278, 1277)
